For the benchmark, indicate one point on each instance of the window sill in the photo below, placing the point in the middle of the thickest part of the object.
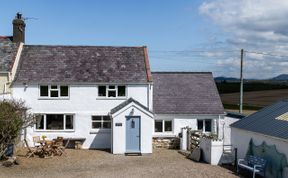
(96, 131)
(112, 98)
(164, 135)
(60, 98)
(35, 130)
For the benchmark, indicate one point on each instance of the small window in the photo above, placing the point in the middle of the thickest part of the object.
(64, 91)
(112, 91)
(44, 91)
(102, 91)
(55, 122)
(168, 126)
(54, 91)
(40, 122)
(101, 122)
(208, 127)
(121, 91)
(205, 125)
(158, 126)
(69, 122)
(200, 124)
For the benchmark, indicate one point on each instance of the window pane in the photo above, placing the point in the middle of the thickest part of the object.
(121, 91)
(54, 93)
(63, 90)
(106, 118)
(102, 91)
(43, 90)
(96, 118)
(40, 122)
(111, 93)
(54, 122)
(168, 126)
(200, 124)
(69, 121)
(111, 87)
(54, 87)
(96, 125)
(158, 126)
(106, 125)
(208, 125)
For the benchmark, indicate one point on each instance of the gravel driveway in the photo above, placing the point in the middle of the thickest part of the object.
(94, 163)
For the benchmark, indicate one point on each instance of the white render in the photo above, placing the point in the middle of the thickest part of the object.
(181, 121)
(241, 138)
(119, 132)
(212, 150)
(83, 102)
(226, 129)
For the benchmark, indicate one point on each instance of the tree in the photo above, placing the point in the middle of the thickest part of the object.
(14, 116)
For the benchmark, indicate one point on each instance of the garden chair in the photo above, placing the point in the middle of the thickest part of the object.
(31, 151)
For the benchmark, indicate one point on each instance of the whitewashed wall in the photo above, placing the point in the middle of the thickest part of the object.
(240, 139)
(83, 103)
(226, 129)
(180, 121)
(119, 132)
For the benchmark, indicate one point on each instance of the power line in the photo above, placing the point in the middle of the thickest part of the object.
(266, 54)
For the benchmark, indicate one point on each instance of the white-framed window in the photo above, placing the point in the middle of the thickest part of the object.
(55, 122)
(163, 126)
(205, 125)
(112, 91)
(101, 122)
(53, 91)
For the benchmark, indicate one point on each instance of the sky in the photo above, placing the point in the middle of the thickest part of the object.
(183, 35)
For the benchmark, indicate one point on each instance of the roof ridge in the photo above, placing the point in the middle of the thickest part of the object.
(83, 46)
(180, 72)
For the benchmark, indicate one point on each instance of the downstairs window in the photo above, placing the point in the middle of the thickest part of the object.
(204, 125)
(55, 122)
(163, 126)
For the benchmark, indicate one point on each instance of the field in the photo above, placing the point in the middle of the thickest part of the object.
(256, 95)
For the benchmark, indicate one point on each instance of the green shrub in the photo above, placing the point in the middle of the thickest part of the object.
(13, 118)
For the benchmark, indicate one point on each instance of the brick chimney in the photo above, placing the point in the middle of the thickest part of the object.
(18, 29)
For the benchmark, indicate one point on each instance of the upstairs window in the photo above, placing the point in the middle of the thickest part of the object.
(112, 91)
(54, 91)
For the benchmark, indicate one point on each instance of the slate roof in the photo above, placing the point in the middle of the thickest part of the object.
(8, 52)
(264, 121)
(80, 64)
(125, 103)
(185, 93)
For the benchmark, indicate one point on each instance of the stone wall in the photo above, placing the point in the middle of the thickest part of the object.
(166, 142)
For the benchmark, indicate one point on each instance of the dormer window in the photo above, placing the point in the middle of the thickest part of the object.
(112, 91)
(54, 91)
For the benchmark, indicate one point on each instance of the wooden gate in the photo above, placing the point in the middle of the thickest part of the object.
(193, 138)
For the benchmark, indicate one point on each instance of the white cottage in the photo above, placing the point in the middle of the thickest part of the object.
(82, 92)
(102, 96)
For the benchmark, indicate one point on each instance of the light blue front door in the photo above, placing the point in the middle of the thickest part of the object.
(133, 134)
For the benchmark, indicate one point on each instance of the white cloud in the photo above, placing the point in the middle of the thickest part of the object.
(255, 25)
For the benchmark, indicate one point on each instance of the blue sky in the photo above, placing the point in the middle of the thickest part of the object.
(190, 35)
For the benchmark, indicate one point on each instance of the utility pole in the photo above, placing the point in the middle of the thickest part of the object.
(241, 83)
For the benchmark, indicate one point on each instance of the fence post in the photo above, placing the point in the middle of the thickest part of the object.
(183, 145)
(236, 158)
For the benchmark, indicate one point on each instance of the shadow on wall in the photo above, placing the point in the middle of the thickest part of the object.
(102, 139)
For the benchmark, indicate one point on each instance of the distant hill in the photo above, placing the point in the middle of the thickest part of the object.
(226, 79)
(279, 78)
(282, 77)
